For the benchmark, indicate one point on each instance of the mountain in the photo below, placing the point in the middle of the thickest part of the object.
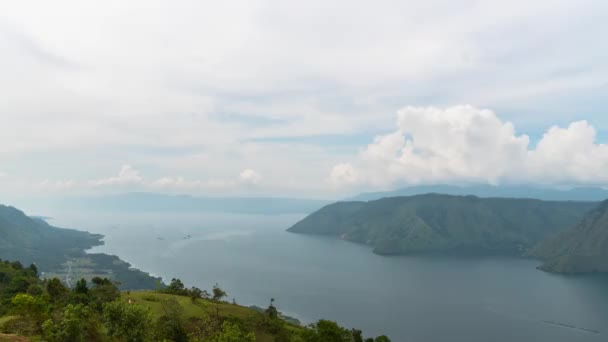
(32, 240)
(489, 191)
(139, 201)
(581, 249)
(61, 252)
(444, 224)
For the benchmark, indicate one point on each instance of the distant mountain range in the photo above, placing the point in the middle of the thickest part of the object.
(138, 202)
(580, 249)
(445, 224)
(575, 194)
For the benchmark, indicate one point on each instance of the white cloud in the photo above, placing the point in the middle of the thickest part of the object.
(569, 155)
(250, 177)
(471, 145)
(126, 176)
(343, 174)
(216, 76)
(175, 182)
(57, 186)
(247, 177)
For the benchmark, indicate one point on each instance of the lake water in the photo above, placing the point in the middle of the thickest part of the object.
(312, 277)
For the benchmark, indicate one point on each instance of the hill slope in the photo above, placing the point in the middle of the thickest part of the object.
(61, 252)
(581, 249)
(444, 224)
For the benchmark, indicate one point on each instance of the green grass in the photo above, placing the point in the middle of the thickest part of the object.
(5, 319)
(202, 308)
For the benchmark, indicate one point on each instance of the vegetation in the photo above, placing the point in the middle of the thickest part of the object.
(98, 311)
(61, 252)
(581, 249)
(445, 224)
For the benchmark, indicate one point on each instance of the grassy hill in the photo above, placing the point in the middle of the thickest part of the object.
(445, 224)
(581, 249)
(96, 311)
(252, 319)
(61, 252)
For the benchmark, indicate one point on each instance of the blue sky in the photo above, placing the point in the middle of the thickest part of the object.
(310, 99)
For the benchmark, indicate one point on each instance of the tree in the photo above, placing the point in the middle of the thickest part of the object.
(218, 293)
(80, 294)
(56, 289)
(176, 287)
(205, 294)
(32, 311)
(381, 338)
(75, 325)
(103, 291)
(35, 290)
(327, 331)
(357, 335)
(170, 325)
(272, 312)
(195, 293)
(81, 287)
(130, 322)
(33, 270)
(231, 332)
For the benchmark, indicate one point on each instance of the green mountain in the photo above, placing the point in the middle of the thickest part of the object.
(61, 252)
(445, 224)
(580, 249)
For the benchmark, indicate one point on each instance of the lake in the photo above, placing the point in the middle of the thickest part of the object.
(313, 277)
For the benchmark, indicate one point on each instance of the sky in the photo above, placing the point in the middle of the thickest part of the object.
(300, 98)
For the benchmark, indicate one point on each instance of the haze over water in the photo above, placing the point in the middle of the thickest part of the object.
(313, 277)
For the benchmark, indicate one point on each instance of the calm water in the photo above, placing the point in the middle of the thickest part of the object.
(408, 298)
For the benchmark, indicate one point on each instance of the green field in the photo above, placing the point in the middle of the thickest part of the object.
(202, 308)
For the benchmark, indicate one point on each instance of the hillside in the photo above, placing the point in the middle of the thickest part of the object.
(444, 224)
(61, 252)
(491, 191)
(581, 249)
(46, 310)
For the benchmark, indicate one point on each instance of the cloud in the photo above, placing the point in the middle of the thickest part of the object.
(569, 154)
(197, 86)
(469, 145)
(126, 176)
(60, 186)
(250, 177)
(343, 174)
(247, 177)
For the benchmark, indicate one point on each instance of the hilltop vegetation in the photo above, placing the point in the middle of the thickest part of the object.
(581, 249)
(98, 311)
(445, 224)
(61, 252)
